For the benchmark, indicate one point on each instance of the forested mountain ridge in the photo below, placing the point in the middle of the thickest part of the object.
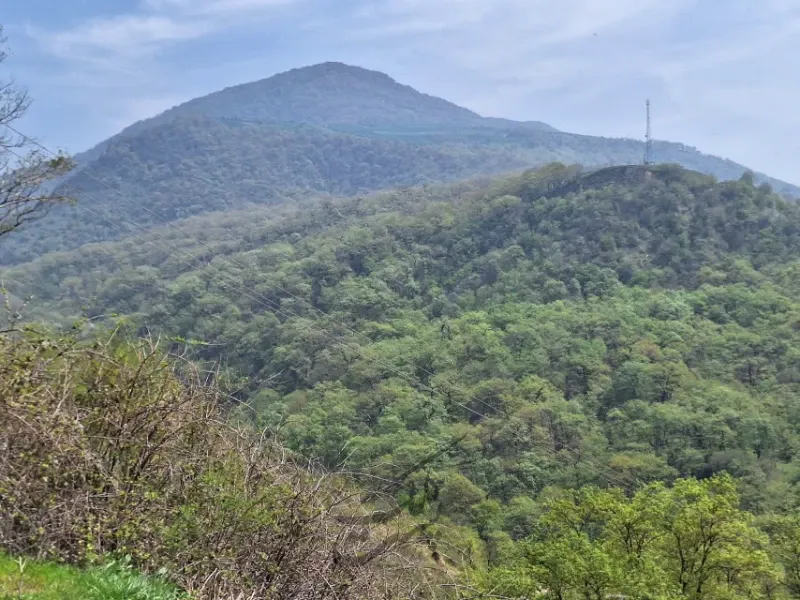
(577, 377)
(633, 324)
(569, 383)
(330, 95)
(328, 128)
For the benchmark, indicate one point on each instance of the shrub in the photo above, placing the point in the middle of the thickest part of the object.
(107, 451)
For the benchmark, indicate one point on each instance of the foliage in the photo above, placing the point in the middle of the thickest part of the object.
(566, 384)
(784, 532)
(330, 94)
(22, 579)
(688, 541)
(195, 165)
(328, 128)
(639, 328)
(533, 365)
(109, 451)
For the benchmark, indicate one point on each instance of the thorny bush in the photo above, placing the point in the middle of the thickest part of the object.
(105, 451)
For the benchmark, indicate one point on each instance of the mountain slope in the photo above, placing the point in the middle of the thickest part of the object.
(635, 323)
(191, 166)
(330, 94)
(328, 128)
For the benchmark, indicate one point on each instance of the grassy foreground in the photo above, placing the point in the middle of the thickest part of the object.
(29, 580)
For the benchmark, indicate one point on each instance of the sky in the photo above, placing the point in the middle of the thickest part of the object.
(722, 75)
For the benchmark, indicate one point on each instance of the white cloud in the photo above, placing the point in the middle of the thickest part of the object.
(125, 35)
(156, 25)
(118, 65)
(225, 8)
(544, 43)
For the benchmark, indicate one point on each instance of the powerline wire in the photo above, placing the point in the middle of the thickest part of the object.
(273, 306)
(244, 266)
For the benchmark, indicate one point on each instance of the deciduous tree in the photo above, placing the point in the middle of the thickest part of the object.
(25, 169)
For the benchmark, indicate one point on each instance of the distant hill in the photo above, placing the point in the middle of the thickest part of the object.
(331, 94)
(328, 128)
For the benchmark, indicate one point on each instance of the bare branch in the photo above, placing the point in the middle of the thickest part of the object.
(24, 173)
(106, 442)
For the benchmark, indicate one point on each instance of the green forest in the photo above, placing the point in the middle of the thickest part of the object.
(328, 129)
(585, 383)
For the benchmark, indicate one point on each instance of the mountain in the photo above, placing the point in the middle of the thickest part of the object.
(332, 94)
(329, 128)
(525, 373)
(644, 318)
(327, 95)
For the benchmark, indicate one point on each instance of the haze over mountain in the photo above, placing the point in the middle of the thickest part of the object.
(328, 128)
(333, 94)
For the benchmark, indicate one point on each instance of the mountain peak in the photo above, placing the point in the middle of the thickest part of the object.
(336, 68)
(329, 94)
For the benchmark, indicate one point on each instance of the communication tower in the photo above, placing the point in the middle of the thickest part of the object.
(648, 145)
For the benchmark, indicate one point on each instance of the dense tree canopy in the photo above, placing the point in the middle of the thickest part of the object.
(590, 381)
(688, 541)
(331, 129)
(568, 384)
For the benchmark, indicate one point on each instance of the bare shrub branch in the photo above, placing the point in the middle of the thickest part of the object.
(25, 171)
(106, 451)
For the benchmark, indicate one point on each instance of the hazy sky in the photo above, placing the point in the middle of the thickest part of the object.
(723, 75)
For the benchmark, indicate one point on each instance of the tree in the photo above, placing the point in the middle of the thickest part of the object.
(785, 533)
(688, 542)
(711, 549)
(24, 169)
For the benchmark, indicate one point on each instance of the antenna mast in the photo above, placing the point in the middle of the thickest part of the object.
(648, 146)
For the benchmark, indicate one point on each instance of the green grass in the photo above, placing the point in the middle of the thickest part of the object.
(21, 579)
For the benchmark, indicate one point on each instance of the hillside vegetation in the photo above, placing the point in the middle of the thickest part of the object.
(329, 128)
(113, 450)
(585, 384)
(572, 383)
(24, 579)
(649, 324)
